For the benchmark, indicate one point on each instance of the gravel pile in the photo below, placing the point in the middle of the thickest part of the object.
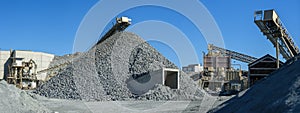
(57, 60)
(14, 100)
(60, 62)
(103, 71)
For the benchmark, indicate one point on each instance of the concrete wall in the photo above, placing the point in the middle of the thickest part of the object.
(171, 78)
(144, 83)
(41, 59)
(4, 55)
(164, 76)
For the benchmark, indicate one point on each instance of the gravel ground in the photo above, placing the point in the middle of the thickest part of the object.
(101, 73)
(14, 100)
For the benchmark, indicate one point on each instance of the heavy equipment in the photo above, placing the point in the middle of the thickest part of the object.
(22, 74)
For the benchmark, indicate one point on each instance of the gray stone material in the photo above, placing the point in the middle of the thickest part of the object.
(102, 73)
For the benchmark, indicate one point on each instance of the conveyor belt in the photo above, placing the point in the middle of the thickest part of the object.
(270, 25)
(234, 55)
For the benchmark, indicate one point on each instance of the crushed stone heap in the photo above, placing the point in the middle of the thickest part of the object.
(101, 74)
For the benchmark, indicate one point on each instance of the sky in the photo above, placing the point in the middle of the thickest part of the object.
(51, 25)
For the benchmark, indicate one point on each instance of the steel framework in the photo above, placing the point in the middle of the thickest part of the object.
(270, 25)
(234, 55)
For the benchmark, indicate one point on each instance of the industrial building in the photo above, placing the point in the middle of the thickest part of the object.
(192, 68)
(215, 67)
(20, 67)
(261, 68)
(218, 74)
(4, 56)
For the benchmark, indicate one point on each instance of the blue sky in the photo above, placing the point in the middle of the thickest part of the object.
(50, 25)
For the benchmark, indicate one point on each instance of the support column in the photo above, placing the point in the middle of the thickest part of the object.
(277, 53)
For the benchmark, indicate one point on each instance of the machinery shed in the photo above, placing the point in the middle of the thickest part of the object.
(261, 68)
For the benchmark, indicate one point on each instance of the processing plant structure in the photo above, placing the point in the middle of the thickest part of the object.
(22, 68)
(218, 74)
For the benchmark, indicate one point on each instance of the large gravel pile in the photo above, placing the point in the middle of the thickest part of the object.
(57, 60)
(14, 100)
(60, 62)
(278, 93)
(103, 72)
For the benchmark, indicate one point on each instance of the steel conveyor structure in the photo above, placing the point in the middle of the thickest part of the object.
(270, 25)
(234, 55)
(121, 24)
